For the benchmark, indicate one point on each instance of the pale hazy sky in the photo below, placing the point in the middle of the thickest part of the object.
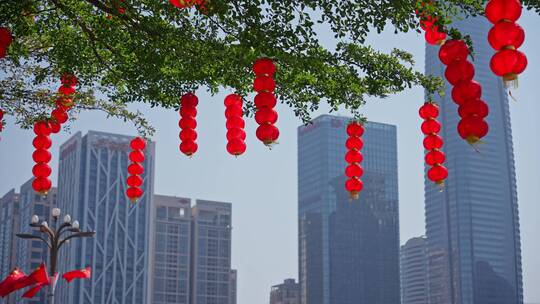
(262, 184)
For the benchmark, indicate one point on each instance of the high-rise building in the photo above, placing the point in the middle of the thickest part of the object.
(211, 253)
(9, 225)
(170, 260)
(348, 250)
(233, 281)
(31, 253)
(414, 271)
(287, 292)
(191, 256)
(92, 183)
(472, 226)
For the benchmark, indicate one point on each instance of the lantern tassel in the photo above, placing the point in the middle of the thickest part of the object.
(512, 96)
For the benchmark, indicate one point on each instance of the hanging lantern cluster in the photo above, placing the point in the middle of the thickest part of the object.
(466, 92)
(64, 101)
(5, 41)
(265, 101)
(506, 36)
(188, 123)
(135, 169)
(354, 157)
(236, 135)
(42, 156)
(433, 143)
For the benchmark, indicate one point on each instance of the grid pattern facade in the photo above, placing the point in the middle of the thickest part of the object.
(31, 253)
(473, 225)
(171, 256)
(286, 293)
(211, 253)
(9, 214)
(414, 271)
(348, 250)
(92, 187)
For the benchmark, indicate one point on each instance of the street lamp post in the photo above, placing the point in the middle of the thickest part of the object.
(55, 237)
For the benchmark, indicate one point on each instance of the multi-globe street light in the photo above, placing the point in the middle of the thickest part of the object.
(55, 237)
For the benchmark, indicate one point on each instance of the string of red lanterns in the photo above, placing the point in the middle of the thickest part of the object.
(5, 40)
(265, 101)
(236, 135)
(64, 102)
(135, 169)
(188, 123)
(505, 37)
(354, 157)
(466, 92)
(433, 143)
(42, 156)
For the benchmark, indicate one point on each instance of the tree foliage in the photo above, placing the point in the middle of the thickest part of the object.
(126, 51)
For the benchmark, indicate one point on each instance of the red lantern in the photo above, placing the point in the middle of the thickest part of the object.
(434, 36)
(5, 41)
(138, 144)
(435, 157)
(236, 146)
(354, 142)
(355, 129)
(266, 116)
(354, 186)
(497, 10)
(431, 126)
(472, 129)
(59, 115)
(474, 107)
(136, 156)
(41, 170)
(68, 80)
(42, 142)
(135, 169)
(428, 22)
(233, 100)
(235, 122)
(433, 141)
(41, 156)
(264, 84)
(438, 174)
(264, 66)
(55, 127)
(265, 100)
(234, 133)
(508, 64)
(453, 50)
(66, 90)
(233, 111)
(134, 181)
(268, 134)
(466, 90)
(188, 123)
(354, 170)
(458, 71)
(42, 128)
(133, 193)
(188, 147)
(41, 185)
(429, 110)
(506, 34)
(353, 156)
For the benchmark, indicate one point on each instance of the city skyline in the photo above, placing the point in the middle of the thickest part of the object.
(262, 181)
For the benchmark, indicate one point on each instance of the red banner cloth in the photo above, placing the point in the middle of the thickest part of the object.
(85, 273)
(8, 285)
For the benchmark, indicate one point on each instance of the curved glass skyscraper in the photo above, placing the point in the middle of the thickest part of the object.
(473, 225)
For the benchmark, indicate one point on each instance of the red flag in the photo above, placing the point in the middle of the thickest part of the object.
(39, 276)
(30, 293)
(78, 274)
(8, 285)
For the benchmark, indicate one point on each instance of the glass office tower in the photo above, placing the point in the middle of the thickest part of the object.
(472, 226)
(414, 271)
(92, 183)
(348, 250)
